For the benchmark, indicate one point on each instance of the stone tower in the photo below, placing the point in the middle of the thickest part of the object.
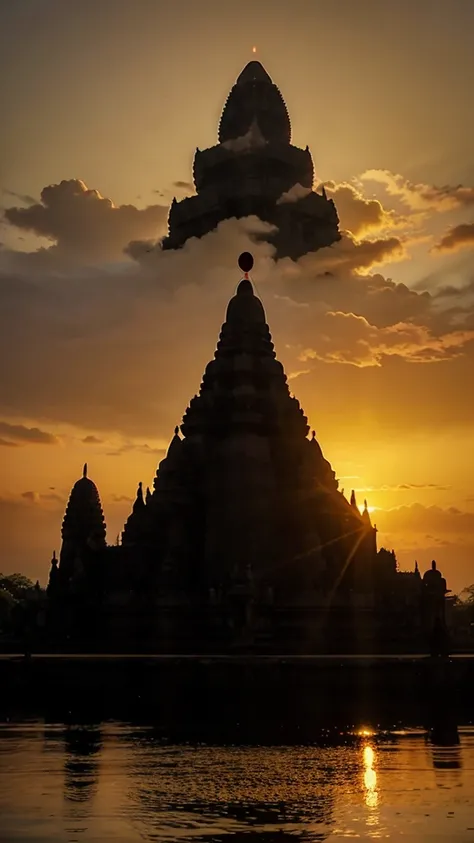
(244, 499)
(255, 170)
(83, 530)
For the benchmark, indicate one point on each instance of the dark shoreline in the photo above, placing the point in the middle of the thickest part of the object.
(241, 697)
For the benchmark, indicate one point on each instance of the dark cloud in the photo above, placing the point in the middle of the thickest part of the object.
(92, 440)
(22, 197)
(458, 237)
(18, 434)
(402, 487)
(141, 449)
(184, 185)
(84, 225)
(422, 486)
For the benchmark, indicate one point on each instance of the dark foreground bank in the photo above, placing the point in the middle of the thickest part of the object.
(241, 697)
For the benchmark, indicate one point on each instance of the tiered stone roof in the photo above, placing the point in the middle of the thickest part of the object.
(84, 522)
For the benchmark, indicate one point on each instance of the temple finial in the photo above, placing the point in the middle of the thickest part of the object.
(147, 495)
(324, 194)
(246, 263)
(353, 499)
(84, 470)
(176, 430)
(313, 434)
(365, 504)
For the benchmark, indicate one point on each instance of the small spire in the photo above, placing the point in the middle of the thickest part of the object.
(84, 470)
(313, 434)
(324, 194)
(365, 514)
(433, 565)
(353, 499)
(148, 495)
(139, 502)
(342, 492)
(176, 430)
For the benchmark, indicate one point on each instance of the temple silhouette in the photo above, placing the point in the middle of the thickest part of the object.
(245, 542)
(255, 170)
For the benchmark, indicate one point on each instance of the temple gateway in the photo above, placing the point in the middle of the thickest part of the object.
(246, 541)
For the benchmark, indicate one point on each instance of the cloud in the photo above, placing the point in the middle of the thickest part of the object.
(184, 185)
(18, 434)
(37, 497)
(459, 237)
(427, 521)
(141, 449)
(349, 255)
(22, 197)
(402, 487)
(294, 194)
(124, 351)
(419, 196)
(352, 339)
(359, 215)
(92, 440)
(84, 225)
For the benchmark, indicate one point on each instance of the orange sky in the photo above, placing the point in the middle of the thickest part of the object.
(103, 348)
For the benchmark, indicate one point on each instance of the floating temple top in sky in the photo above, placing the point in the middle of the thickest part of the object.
(255, 170)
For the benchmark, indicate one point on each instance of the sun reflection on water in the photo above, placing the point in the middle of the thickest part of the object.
(370, 777)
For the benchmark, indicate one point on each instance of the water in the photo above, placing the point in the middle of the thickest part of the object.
(120, 782)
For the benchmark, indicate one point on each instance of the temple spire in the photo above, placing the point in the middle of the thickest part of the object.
(84, 470)
(366, 514)
(139, 502)
(353, 499)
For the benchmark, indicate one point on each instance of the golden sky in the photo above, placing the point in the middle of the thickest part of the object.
(103, 343)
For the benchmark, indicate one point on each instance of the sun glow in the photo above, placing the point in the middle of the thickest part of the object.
(254, 49)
